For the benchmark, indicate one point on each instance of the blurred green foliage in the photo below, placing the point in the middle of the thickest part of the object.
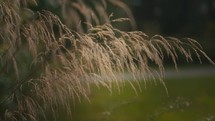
(189, 99)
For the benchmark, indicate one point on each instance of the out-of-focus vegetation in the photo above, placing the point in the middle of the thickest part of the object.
(189, 99)
(178, 18)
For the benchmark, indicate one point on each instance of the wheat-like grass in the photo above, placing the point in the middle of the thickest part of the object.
(49, 65)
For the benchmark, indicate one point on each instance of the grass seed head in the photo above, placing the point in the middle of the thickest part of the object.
(49, 65)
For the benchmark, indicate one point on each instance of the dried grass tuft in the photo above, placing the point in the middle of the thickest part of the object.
(75, 13)
(48, 64)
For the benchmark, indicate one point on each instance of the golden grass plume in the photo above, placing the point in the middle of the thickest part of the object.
(47, 64)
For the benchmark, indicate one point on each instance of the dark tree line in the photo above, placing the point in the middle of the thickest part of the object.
(190, 18)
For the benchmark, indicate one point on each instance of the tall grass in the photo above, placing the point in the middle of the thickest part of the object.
(74, 13)
(45, 64)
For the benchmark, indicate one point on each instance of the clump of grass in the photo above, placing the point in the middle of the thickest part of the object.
(74, 13)
(47, 64)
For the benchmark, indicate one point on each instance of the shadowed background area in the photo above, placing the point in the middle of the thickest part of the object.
(178, 18)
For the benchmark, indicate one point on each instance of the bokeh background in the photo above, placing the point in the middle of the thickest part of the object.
(178, 18)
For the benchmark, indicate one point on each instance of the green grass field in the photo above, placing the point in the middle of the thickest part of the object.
(189, 99)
